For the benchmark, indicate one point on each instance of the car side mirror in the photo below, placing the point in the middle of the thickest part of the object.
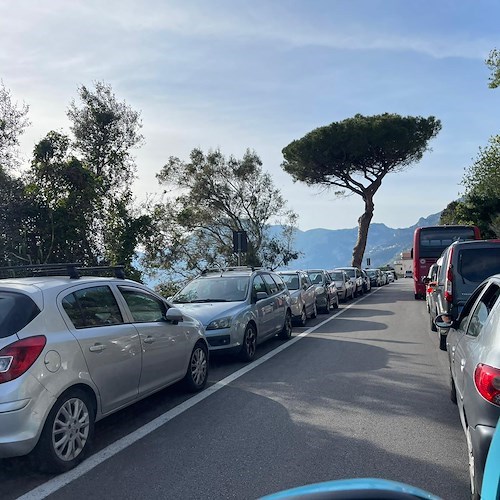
(443, 321)
(174, 316)
(261, 296)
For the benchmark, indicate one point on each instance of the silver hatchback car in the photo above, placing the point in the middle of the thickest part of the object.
(239, 307)
(473, 347)
(76, 349)
(302, 295)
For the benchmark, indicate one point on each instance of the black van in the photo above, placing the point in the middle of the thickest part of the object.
(463, 266)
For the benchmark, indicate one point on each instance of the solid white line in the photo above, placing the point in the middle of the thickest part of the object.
(58, 482)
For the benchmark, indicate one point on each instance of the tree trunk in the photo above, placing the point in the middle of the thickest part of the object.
(363, 227)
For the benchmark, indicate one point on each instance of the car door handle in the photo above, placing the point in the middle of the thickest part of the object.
(97, 348)
(462, 364)
(149, 340)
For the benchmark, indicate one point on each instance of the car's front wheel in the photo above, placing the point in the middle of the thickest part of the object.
(197, 372)
(249, 346)
(303, 317)
(67, 433)
(286, 331)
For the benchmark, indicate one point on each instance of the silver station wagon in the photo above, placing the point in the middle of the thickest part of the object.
(76, 349)
(239, 307)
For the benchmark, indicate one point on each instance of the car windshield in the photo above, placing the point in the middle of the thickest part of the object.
(316, 277)
(16, 311)
(350, 273)
(291, 281)
(371, 273)
(336, 275)
(220, 289)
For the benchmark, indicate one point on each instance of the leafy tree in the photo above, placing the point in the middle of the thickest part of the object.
(493, 63)
(356, 154)
(207, 199)
(13, 122)
(480, 204)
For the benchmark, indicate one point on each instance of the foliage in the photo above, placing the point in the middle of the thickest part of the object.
(493, 63)
(76, 195)
(208, 198)
(13, 122)
(480, 204)
(356, 154)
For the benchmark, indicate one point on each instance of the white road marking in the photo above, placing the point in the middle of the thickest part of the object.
(58, 482)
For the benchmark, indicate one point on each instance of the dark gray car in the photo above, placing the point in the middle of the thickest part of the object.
(463, 265)
(473, 345)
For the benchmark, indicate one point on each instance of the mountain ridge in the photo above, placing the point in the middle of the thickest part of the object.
(329, 248)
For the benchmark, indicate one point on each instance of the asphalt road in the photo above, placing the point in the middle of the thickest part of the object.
(361, 392)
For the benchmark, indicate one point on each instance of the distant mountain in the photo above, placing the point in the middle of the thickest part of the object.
(329, 248)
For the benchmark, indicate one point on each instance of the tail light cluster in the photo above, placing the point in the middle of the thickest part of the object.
(487, 380)
(448, 290)
(17, 357)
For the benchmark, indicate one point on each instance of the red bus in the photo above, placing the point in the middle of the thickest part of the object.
(428, 245)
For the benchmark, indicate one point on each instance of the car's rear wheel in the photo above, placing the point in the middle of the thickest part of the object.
(197, 372)
(433, 326)
(67, 433)
(314, 313)
(286, 331)
(249, 346)
(303, 317)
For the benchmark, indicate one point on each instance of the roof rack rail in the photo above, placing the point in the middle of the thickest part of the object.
(73, 270)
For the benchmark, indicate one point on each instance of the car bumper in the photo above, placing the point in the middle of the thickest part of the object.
(22, 418)
(481, 436)
(296, 310)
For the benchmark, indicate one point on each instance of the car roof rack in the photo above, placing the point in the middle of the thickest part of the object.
(73, 270)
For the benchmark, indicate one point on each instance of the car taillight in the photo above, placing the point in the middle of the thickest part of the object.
(448, 289)
(17, 357)
(487, 380)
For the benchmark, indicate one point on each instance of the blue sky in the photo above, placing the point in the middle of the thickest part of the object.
(235, 74)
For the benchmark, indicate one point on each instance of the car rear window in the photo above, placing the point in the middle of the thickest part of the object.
(16, 311)
(477, 264)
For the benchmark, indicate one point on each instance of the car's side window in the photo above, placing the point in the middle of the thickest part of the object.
(145, 308)
(93, 306)
(482, 311)
(279, 282)
(258, 285)
(272, 286)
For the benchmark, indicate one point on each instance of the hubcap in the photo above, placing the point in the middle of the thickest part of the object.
(71, 429)
(250, 342)
(199, 366)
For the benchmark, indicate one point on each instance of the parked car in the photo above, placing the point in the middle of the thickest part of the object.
(390, 276)
(74, 349)
(345, 288)
(408, 274)
(302, 295)
(326, 291)
(375, 276)
(356, 279)
(239, 307)
(464, 264)
(367, 286)
(473, 345)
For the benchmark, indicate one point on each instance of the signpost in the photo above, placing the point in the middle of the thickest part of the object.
(240, 244)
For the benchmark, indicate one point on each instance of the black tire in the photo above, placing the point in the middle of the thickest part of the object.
(314, 314)
(249, 346)
(52, 456)
(442, 342)
(303, 317)
(326, 309)
(453, 390)
(433, 326)
(286, 331)
(336, 303)
(197, 372)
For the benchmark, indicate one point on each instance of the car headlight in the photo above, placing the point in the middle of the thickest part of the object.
(320, 290)
(294, 300)
(219, 324)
